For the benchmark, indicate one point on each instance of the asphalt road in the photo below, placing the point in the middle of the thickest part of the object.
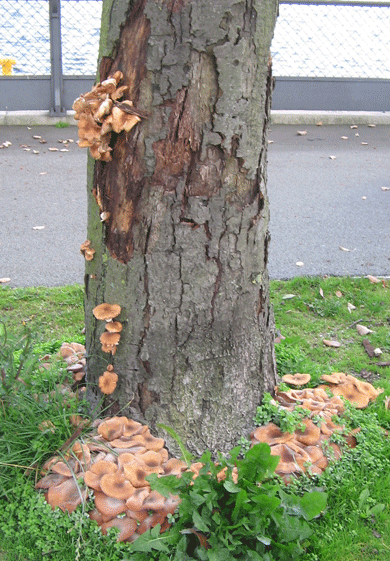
(318, 204)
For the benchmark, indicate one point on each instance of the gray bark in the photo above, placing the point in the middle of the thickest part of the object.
(184, 251)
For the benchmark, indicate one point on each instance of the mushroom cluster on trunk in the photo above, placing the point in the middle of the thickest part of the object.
(111, 336)
(100, 112)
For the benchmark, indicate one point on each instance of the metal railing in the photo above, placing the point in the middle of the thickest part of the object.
(52, 45)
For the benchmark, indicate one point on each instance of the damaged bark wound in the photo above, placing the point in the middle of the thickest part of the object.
(185, 248)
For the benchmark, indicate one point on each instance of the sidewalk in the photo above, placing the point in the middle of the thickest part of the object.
(318, 204)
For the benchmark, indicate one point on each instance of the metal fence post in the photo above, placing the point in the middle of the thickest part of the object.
(56, 84)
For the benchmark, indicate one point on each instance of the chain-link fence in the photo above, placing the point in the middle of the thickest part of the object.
(345, 39)
(25, 36)
(312, 39)
(80, 36)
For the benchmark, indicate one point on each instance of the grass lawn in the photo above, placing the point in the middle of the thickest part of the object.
(356, 523)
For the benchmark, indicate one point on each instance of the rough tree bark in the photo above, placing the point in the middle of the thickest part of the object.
(184, 251)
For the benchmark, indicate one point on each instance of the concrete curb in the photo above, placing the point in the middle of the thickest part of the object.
(290, 117)
(279, 117)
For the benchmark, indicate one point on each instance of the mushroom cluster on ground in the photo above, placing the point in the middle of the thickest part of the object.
(310, 450)
(100, 112)
(111, 464)
(74, 356)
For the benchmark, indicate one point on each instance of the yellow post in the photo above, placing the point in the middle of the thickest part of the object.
(6, 65)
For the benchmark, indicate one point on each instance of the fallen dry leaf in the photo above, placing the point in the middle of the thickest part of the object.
(344, 248)
(350, 307)
(4, 280)
(338, 294)
(301, 133)
(368, 348)
(321, 293)
(288, 296)
(372, 279)
(329, 343)
(51, 149)
(363, 330)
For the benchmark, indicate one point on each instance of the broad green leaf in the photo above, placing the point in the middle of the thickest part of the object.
(199, 522)
(231, 487)
(152, 540)
(313, 503)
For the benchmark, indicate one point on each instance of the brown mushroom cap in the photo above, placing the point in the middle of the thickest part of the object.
(127, 527)
(114, 326)
(350, 392)
(115, 485)
(109, 348)
(296, 379)
(67, 496)
(136, 472)
(174, 467)
(106, 311)
(109, 506)
(310, 435)
(112, 428)
(136, 501)
(271, 434)
(287, 464)
(107, 338)
(108, 382)
(334, 378)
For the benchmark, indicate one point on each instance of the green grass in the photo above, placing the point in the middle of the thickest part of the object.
(355, 525)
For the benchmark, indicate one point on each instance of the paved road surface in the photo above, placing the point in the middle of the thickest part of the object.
(317, 203)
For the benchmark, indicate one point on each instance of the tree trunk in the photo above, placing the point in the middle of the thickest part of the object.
(184, 250)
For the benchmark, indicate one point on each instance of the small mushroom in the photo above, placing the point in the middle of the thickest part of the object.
(112, 428)
(136, 501)
(114, 326)
(310, 435)
(296, 379)
(115, 485)
(109, 506)
(271, 434)
(87, 250)
(127, 527)
(108, 382)
(106, 311)
(110, 338)
(67, 496)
